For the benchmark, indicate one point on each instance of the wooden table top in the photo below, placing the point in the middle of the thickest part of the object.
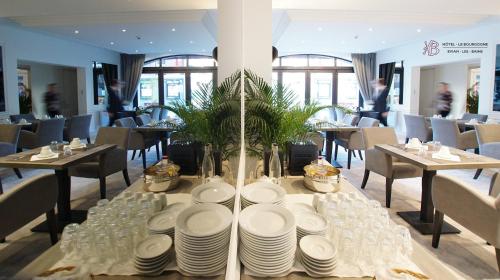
(338, 128)
(160, 128)
(467, 160)
(22, 160)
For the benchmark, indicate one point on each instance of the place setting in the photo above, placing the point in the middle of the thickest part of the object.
(45, 154)
(214, 192)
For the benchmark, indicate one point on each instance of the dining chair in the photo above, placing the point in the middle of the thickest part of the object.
(339, 114)
(448, 133)
(350, 119)
(143, 119)
(418, 127)
(383, 164)
(28, 117)
(46, 132)
(469, 116)
(163, 114)
(9, 135)
(155, 113)
(317, 138)
(138, 140)
(488, 139)
(78, 127)
(26, 202)
(353, 141)
(108, 163)
(477, 212)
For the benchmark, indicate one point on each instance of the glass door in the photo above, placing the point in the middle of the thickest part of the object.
(148, 93)
(296, 82)
(321, 88)
(174, 87)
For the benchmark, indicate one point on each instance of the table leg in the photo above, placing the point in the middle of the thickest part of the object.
(423, 220)
(330, 136)
(164, 143)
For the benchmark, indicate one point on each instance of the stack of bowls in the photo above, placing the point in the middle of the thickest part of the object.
(309, 223)
(214, 192)
(164, 222)
(318, 256)
(267, 239)
(153, 254)
(262, 192)
(202, 234)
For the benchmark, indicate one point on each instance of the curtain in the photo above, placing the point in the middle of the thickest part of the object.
(386, 72)
(131, 73)
(364, 68)
(110, 73)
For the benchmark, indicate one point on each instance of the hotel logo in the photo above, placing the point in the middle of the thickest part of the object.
(431, 48)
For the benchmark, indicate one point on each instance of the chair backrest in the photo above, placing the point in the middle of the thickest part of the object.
(445, 131)
(113, 135)
(9, 133)
(26, 202)
(350, 119)
(416, 127)
(155, 114)
(79, 127)
(368, 122)
(378, 135)
(339, 114)
(318, 139)
(163, 114)
(478, 117)
(487, 133)
(49, 130)
(143, 119)
(326, 114)
(16, 118)
(126, 122)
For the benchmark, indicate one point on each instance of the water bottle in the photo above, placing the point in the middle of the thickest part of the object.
(207, 166)
(275, 165)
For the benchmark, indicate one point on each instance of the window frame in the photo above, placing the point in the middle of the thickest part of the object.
(401, 71)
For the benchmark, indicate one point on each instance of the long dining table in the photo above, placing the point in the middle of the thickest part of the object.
(423, 220)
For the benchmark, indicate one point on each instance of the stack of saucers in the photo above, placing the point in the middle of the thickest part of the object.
(262, 192)
(309, 223)
(318, 255)
(153, 254)
(214, 192)
(299, 207)
(164, 222)
(202, 234)
(267, 239)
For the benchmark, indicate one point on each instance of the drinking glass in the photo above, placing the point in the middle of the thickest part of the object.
(348, 247)
(67, 150)
(53, 146)
(403, 239)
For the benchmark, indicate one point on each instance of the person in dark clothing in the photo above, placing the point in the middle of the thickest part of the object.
(52, 101)
(380, 102)
(444, 100)
(114, 102)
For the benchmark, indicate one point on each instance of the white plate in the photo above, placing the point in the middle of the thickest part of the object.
(82, 145)
(267, 220)
(153, 246)
(214, 192)
(47, 155)
(162, 221)
(300, 207)
(263, 192)
(311, 222)
(317, 247)
(202, 220)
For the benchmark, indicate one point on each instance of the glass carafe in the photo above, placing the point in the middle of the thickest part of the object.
(275, 165)
(207, 165)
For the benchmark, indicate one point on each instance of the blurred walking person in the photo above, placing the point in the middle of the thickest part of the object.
(52, 101)
(115, 104)
(444, 100)
(380, 102)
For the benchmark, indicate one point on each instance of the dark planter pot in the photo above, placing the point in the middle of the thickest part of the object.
(300, 155)
(217, 159)
(184, 154)
(267, 156)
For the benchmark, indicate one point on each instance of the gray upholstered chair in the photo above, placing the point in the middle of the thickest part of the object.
(418, 127)
(488, 139)
(143, 119)
(78, 127)
(28, 117)
(339, 114)
(163, 114)
(350, 119)
(447, 132)
(326, 114)
(9, 135)
(109, 163)
(139, 141)
(467, 117)
(26, 202)
(353, 141)
(155, 113)
(318, 139)
(46, 132)
(475, 211)
(383, 164)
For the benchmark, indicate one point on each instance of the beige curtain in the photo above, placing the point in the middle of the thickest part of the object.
(364, 68)
(131, 68)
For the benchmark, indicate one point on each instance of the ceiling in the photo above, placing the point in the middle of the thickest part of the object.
(336, 27)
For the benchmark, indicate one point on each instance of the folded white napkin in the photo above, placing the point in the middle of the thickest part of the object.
(36, 157)
(449, 157)
(417, 147)
(78, 147)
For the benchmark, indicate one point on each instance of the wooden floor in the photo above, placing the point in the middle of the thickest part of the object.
(465, 253)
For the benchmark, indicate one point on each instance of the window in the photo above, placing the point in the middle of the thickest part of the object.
(321, 88)
(174, 86)
(201, 62)
(321, 61)
(294, 61)
(174, 62)
(275, 78)
(348, 90)
(153, 63)
(296, 82)
(99, 84)
(197, 81)
(147, 93)
(396, 91)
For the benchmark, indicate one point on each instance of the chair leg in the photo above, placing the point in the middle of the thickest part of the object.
(354, 153)
(143, 151)
(2, 240)
(360, 155)
(88, 140)
(102, 187)
(497, 253)
(438, 224)
(52, 224)
(125, 176)
(157, 151)
(18, 173)
(388, 191)
(365, 178)
(336, 152)
(478, 172)
(349, 154)
(133, 154)
(1, 187)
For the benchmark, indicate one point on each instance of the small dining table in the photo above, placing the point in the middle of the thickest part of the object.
(330, 137)
(423, 220)
(163, 129)
(60, 166)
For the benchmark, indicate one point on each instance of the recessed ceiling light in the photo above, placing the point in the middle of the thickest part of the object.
(173, 29)
(203, 50)
(111, 43)
(170, 50)
(342, 42)
(191, 42)
(77, 31)
(419, 30)
(124, 30)
(150, 42)
(383, 42)
(370, 29)
(136, 51)
(320, 28)
(302, 42)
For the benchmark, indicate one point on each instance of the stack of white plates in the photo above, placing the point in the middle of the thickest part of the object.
(267, 239)
(202, 234)
(262, 192)
(153, 254)
(299, 207)
(309, 223)
(318, 255)
(164, 222)
(214, 192)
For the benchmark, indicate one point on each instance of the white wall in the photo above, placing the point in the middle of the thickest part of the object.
(22, 44)
(413, 57)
